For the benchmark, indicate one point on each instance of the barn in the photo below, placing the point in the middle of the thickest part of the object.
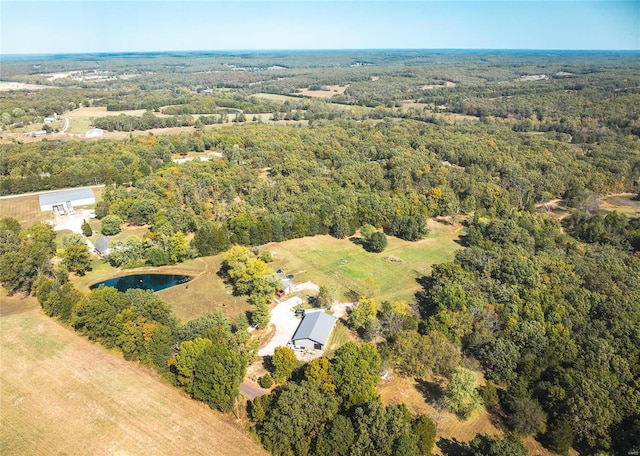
(314, 331)
(67, 198)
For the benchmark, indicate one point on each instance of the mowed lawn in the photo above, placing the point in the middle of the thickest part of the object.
(343, 265)
(63, 395)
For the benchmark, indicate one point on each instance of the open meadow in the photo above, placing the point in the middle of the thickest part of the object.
(343, 265)
(63, 395)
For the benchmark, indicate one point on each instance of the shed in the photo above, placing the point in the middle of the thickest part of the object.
(94, 133)
(102, 245)
(314, 331)
(75, 196)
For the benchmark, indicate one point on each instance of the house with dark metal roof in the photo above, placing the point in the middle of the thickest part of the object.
(73, 196)
(314, 331)
(102, 245)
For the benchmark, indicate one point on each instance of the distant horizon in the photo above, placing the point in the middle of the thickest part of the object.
(98, 27)
(266, 51)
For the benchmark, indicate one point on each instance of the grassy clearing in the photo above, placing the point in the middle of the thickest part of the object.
(79, 125)
(203, 295)
(419, 398)
(339, 336)
(342, 265)
(25, 209)
(401, 390)
(64, 395)
(622, 203)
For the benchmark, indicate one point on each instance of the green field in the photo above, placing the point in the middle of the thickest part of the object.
(342, 265)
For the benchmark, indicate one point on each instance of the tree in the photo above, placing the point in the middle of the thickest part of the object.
(87, 231)
(500, 357)
(110, 225)
(462, 397)
(527, 417)
(360, 313)
(157, 256)
(483, 445)
(324, 298)
(260, 315)
(177, 247)
(356, 370)
(559, 437)
(211, 371)
(336, 438)
(424, 430)
(375, 243)
(77, 258)
(419, 355)
(303, 404)
(20, 268)
(266, 381)
(284, 361)
(96, 315)
(151, 306)
(318, 371)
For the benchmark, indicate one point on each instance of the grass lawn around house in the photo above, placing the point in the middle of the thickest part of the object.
(337, 263)
(342, 265)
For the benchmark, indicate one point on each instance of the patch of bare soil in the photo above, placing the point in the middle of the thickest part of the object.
(330, 92)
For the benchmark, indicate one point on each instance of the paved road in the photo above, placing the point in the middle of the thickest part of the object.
(251, 391)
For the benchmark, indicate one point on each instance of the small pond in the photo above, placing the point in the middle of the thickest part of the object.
(155, 282)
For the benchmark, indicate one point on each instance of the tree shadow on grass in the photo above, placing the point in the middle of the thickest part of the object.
(357, 240)
(431, 391)
(452, 447)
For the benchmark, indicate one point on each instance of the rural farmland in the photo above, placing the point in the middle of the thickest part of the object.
(108, 405)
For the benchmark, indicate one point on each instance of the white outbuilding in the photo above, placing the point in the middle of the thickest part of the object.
(67, 198)
(94, 133)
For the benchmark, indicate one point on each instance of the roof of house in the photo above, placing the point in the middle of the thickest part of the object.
(315, 326)
(102, 244)
(62, 196)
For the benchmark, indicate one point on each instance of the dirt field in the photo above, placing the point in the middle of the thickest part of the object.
(7, 86)
(332, 90)
(101, 111)
(64, 395)
(25, 209)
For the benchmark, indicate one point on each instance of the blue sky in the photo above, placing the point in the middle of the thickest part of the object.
(35, 27)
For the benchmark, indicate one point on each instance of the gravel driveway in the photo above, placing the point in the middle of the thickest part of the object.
(286, 324)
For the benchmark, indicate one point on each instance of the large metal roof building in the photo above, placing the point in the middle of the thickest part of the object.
(314, 331)
(76, 196)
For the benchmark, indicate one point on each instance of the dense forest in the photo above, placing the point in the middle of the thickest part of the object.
(548, 309)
